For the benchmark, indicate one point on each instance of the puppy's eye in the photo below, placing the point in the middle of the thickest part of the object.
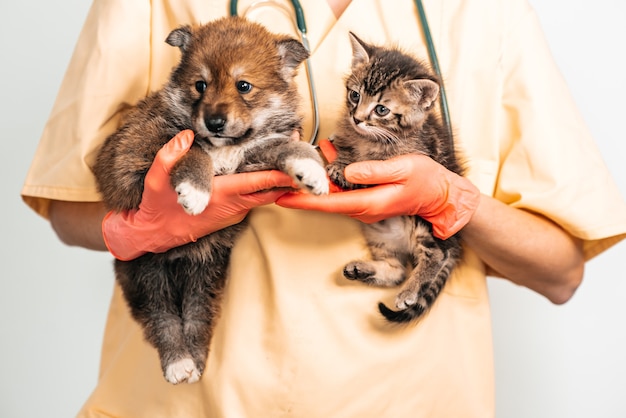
(201, 86)
(354, 96)
(381, 110)
(243, 87)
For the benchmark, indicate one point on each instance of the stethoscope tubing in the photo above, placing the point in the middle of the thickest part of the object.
(434, 62)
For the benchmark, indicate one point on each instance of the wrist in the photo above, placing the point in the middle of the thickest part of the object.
(118, 241)
(461, 202)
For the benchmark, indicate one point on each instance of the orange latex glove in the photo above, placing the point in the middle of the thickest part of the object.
(160, 223)
(405, 185)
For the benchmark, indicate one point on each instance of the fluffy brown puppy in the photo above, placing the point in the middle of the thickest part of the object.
(234, 87)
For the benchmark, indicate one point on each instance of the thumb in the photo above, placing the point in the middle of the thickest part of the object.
(328, 150)
(174, 149)
(168, 155)
(252, 182)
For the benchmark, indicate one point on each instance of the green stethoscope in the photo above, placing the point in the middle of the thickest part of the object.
(300, 23)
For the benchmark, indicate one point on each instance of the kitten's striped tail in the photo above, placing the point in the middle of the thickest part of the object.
(402, 316)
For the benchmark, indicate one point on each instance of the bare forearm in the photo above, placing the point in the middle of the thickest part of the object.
(527, 249)
(78, 223)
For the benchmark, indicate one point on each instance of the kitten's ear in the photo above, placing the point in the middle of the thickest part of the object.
(180, 37)
(360, 51)
(423, 90)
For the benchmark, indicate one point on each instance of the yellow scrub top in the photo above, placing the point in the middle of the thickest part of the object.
(295, 338)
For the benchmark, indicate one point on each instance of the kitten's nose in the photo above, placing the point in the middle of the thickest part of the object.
(356, 121)
(215, 123)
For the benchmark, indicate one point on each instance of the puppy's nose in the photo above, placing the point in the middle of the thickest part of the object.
(215, 123)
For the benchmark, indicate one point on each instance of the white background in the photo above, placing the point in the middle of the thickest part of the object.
(551, 361)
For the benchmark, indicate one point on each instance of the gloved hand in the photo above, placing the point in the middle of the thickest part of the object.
(405, 185)
(160, 223)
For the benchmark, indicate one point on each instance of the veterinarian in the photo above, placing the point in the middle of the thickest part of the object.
(295, 338)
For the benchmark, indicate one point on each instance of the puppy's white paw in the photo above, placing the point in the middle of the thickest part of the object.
(193, 200)
(308, 174)
(183, 370)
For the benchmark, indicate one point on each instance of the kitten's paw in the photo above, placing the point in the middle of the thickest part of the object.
(406, 299)
(335, 173)
(193, 200)
(183, 370)
(309, 175)
(360, 270)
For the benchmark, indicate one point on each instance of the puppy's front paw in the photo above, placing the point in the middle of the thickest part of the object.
(308, 174)
(192, 199)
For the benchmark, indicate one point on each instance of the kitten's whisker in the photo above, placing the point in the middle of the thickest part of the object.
(384, 135)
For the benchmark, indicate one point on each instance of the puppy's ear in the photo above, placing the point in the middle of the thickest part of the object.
(180, 37)
(292, 53)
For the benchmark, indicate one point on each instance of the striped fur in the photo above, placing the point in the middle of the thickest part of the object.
(389, 112)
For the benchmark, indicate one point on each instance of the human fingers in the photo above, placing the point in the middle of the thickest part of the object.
(394, 170)
(352, 202)
(261, 198)
(252, 182)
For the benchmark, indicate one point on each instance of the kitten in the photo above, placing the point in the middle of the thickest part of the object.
(234, 87)
(390, 111)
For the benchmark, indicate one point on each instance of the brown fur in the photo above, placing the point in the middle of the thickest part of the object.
(234, 86)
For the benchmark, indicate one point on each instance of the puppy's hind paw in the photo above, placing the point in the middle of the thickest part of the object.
(193, 200)
(308, 175)
(183, 370)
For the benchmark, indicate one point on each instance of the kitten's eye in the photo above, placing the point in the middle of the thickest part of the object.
(200, 86)
(381, 110)
(243, 87)
(354, 96)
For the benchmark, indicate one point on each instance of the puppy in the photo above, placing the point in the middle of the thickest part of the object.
(234, 87)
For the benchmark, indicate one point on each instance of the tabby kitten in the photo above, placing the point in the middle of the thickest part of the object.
(390, 111)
